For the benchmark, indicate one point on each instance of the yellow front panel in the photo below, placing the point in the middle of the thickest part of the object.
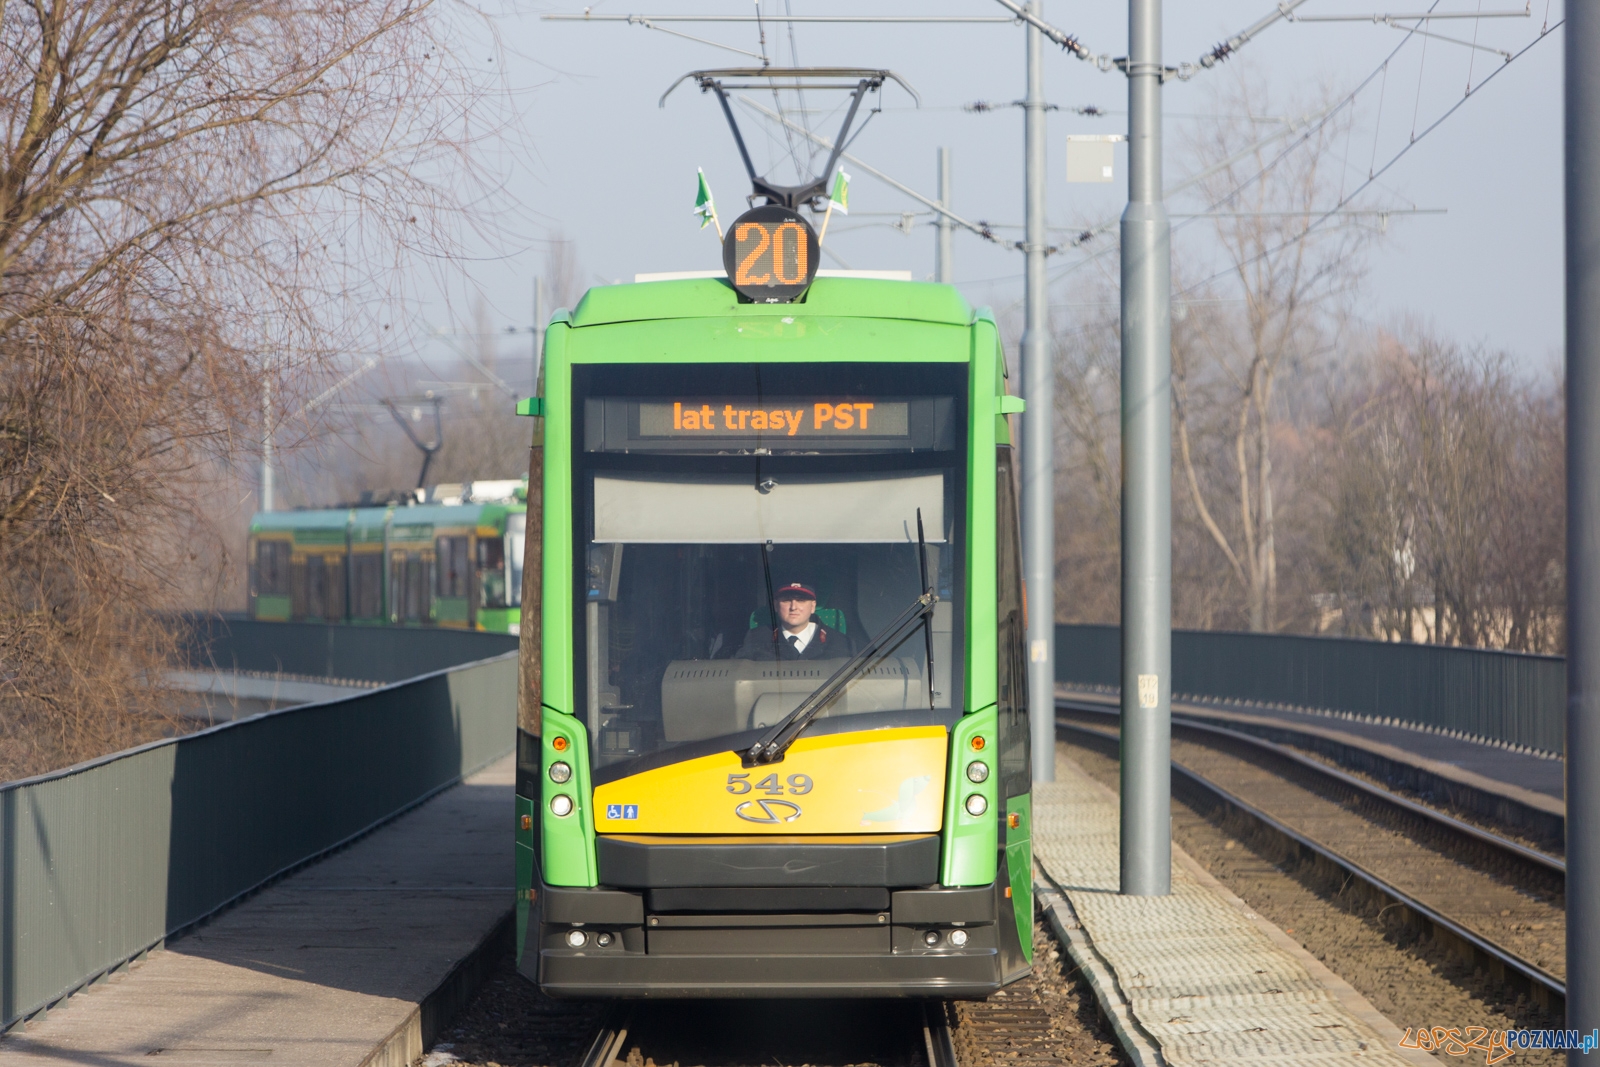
(874, 781)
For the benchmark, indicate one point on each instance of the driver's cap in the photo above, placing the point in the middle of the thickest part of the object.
(795, 591)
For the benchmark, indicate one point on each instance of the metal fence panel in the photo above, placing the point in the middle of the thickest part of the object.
(361, 653)
(1506, 697)
(101, 861)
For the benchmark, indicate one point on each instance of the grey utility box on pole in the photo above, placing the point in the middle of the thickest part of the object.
(1038, 435)
(1582, 161)
(944, 270)
(1146, 476)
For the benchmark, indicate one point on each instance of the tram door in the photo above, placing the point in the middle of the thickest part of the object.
(1016, 771)
(1016, 742)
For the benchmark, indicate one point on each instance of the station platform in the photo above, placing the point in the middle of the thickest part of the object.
(1519, 788)
(1195, 977)
(342, 964)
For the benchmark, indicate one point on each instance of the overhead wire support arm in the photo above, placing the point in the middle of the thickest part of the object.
(1233, 44)
(1055, 34)
(977, 228)
(857, 81)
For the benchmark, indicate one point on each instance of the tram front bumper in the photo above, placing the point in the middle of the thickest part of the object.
(603, 943)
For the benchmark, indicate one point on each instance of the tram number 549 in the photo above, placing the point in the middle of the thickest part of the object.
(799, 784)
(770, 254)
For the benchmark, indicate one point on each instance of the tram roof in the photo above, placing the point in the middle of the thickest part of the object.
(700, 298)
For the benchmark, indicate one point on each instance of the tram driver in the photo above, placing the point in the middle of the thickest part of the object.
(799, 633)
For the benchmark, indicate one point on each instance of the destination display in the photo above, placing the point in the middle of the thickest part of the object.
(817, 418)
(771, 424)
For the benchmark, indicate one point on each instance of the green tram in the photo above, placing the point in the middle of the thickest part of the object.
(708, 806)
(448, 563)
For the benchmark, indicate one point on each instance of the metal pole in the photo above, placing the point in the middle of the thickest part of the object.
(1038, 435)
(539, 315)
(266, 444)
(1583, 518)
(943, 265)
(1146, 477)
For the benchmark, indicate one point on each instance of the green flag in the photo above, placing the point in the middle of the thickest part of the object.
(704, 206)
(839, 199)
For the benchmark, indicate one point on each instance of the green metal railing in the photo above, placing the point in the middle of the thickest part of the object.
(1505, 697)
(100, 862)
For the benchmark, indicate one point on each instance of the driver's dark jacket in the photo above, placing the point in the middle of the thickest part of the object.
(825, 644)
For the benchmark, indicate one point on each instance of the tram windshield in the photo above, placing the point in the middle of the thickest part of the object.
(721, 586)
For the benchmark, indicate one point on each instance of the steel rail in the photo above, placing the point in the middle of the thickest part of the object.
(609, 1037)
(937, 1044)
(1457, 826)
(1532, 973)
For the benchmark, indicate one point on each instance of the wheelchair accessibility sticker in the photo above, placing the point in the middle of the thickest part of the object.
(622, 811)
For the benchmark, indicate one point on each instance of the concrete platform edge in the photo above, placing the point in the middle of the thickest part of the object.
(1138, 1044)
(1342, 991)
(1140, 1047)
(409, 1041)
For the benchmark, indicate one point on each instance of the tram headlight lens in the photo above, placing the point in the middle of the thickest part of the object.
(977, 804)
(577, 938)
(602, 939)
(561, 805)
(561, 773)
(977, 771)
(958, 938)
(930, 938)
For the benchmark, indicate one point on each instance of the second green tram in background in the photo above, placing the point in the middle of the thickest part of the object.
(453, 562)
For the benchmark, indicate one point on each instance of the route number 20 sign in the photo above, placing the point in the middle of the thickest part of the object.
(770, 254)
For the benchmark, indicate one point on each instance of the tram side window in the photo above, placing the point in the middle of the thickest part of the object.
(453, 566)
(333, 597)
(324, 589)
(1016, 772)
(366, 580)
(516, 547)
(492, 572)
(409, 588)
(272, 568)
(419, 600)
(316, 582)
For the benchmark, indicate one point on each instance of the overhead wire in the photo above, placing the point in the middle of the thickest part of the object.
(1404, 150)
(1311, 128)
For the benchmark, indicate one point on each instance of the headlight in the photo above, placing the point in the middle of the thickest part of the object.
(958, 938)
(561, 773)
(561, 804)
(976, 805)
(576, 938)
(977, 771)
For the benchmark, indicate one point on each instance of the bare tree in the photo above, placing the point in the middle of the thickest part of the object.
(1446, 518)
(1267, 310)
(1088, 502)
(185, 188)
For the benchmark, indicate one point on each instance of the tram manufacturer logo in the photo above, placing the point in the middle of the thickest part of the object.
(768, 811)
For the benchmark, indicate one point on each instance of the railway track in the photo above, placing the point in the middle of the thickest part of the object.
(919, 1035)
(1495, 901)
(1020, 1026)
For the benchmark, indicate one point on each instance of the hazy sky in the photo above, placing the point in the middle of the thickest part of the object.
(598, 161)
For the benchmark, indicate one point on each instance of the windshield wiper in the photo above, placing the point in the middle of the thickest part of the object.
(776, 741)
